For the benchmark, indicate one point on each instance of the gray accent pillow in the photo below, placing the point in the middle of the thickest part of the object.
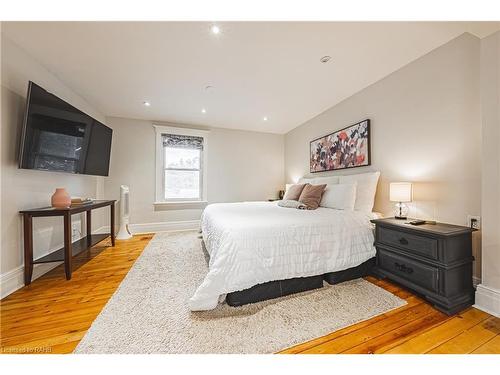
(292, 204)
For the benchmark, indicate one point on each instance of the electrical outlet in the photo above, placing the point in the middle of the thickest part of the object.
(75, 231)
(474, 221)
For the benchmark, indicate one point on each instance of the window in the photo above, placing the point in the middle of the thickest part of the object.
(182, 162)
(181, 166)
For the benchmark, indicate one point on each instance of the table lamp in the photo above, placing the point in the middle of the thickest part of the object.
(400, 192)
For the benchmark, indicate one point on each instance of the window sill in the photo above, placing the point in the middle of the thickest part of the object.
(181, 205)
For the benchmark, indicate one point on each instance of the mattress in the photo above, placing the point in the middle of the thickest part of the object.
(250, 243)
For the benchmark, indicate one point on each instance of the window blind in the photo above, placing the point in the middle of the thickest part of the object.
(182, 141)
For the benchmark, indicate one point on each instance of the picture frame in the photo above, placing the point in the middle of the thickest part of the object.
(345, 148)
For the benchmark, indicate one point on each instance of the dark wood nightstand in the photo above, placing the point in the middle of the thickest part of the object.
(434, 260)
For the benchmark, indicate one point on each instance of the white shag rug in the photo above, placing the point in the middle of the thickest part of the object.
(149, 313)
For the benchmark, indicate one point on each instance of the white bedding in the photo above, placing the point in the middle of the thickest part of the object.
(254, 242)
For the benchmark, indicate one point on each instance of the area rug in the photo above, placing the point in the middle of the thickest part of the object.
(149, 311)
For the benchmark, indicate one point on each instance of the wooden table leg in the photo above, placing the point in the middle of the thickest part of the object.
(89, 228)
(68, 253)
(28, 248)
(112, 223)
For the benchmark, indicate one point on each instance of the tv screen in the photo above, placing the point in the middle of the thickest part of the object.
(59, 137)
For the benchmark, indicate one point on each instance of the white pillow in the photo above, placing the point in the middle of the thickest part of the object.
(365, 191)
(339, 196)
(320, 180)
(329, 180)
(304, 180)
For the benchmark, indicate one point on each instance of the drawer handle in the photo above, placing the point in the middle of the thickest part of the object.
(403, 268)
(403, 241)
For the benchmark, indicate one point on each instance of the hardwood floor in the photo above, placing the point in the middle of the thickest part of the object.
(412, 329)
(52, 315)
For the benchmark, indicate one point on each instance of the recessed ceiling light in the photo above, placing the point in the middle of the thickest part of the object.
(209, 88)
(265, 118)
(203, 110)
(146, 104)
(215, 29)
(325, 59)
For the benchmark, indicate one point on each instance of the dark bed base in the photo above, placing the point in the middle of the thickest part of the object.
(364, 269)
(281, 288)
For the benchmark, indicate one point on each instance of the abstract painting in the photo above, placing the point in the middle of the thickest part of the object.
(344, 148)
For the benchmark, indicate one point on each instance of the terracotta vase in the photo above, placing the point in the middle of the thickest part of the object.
(61, 198)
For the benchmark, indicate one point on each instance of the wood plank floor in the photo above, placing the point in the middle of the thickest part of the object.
(52, 315)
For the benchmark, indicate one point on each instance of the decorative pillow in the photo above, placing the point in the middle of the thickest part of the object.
(365, 191)
(339, 196)
(293, 192)
(311, 195)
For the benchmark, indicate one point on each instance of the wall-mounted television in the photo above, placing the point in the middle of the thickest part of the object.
(59, 137)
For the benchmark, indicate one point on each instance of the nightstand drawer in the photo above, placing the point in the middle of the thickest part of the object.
(414, 271)
(420, 245)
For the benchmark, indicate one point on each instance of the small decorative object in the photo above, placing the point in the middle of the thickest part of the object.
(61, 198)
(281, 194)
(345, 148)
(400, 192)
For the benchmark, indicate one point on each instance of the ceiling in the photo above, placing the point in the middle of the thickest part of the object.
(257, 69)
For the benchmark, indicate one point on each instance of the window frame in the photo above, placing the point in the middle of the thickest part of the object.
(160, 200)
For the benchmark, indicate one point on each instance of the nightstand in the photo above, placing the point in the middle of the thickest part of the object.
(434, 260)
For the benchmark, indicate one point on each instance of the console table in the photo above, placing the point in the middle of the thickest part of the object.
(70, 248)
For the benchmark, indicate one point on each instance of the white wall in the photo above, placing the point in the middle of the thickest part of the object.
(426, 128)
(488, 292)
(22, 189)
(242, 166)
(425, 124)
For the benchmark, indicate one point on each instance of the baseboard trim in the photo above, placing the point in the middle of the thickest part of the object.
(172, 226)
(14, 279)
(488, 300)
(476, 281)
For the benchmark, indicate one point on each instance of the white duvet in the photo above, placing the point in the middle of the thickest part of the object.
(254, 242)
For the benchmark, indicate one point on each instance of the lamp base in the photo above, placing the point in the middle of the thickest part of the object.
(400, 211)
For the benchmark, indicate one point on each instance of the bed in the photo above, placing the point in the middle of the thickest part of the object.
(255, 246)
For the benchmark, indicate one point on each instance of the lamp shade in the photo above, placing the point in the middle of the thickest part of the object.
(400, 191)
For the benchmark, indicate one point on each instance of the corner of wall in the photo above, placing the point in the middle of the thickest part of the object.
(488, 292)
